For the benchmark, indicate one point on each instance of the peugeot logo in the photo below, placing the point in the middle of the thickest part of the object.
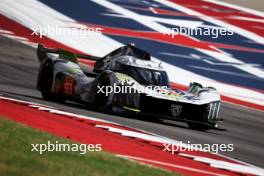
(176, 110)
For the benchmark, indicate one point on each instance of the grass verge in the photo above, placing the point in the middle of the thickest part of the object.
(16, 157)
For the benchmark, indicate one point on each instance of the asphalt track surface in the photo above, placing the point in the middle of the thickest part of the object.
(243, 127)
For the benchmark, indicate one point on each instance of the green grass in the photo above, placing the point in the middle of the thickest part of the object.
(16, 157)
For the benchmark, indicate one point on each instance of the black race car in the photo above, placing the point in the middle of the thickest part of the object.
(125, 80)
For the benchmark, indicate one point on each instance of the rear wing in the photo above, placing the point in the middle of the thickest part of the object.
(43, 51)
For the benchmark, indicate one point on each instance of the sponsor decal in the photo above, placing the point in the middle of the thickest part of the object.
(68, 86)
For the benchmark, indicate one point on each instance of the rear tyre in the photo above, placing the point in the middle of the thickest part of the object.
(45, 81)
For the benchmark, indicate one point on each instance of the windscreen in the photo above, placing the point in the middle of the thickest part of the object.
(146, 76)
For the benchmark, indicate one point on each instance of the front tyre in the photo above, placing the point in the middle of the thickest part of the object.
(102, 100)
